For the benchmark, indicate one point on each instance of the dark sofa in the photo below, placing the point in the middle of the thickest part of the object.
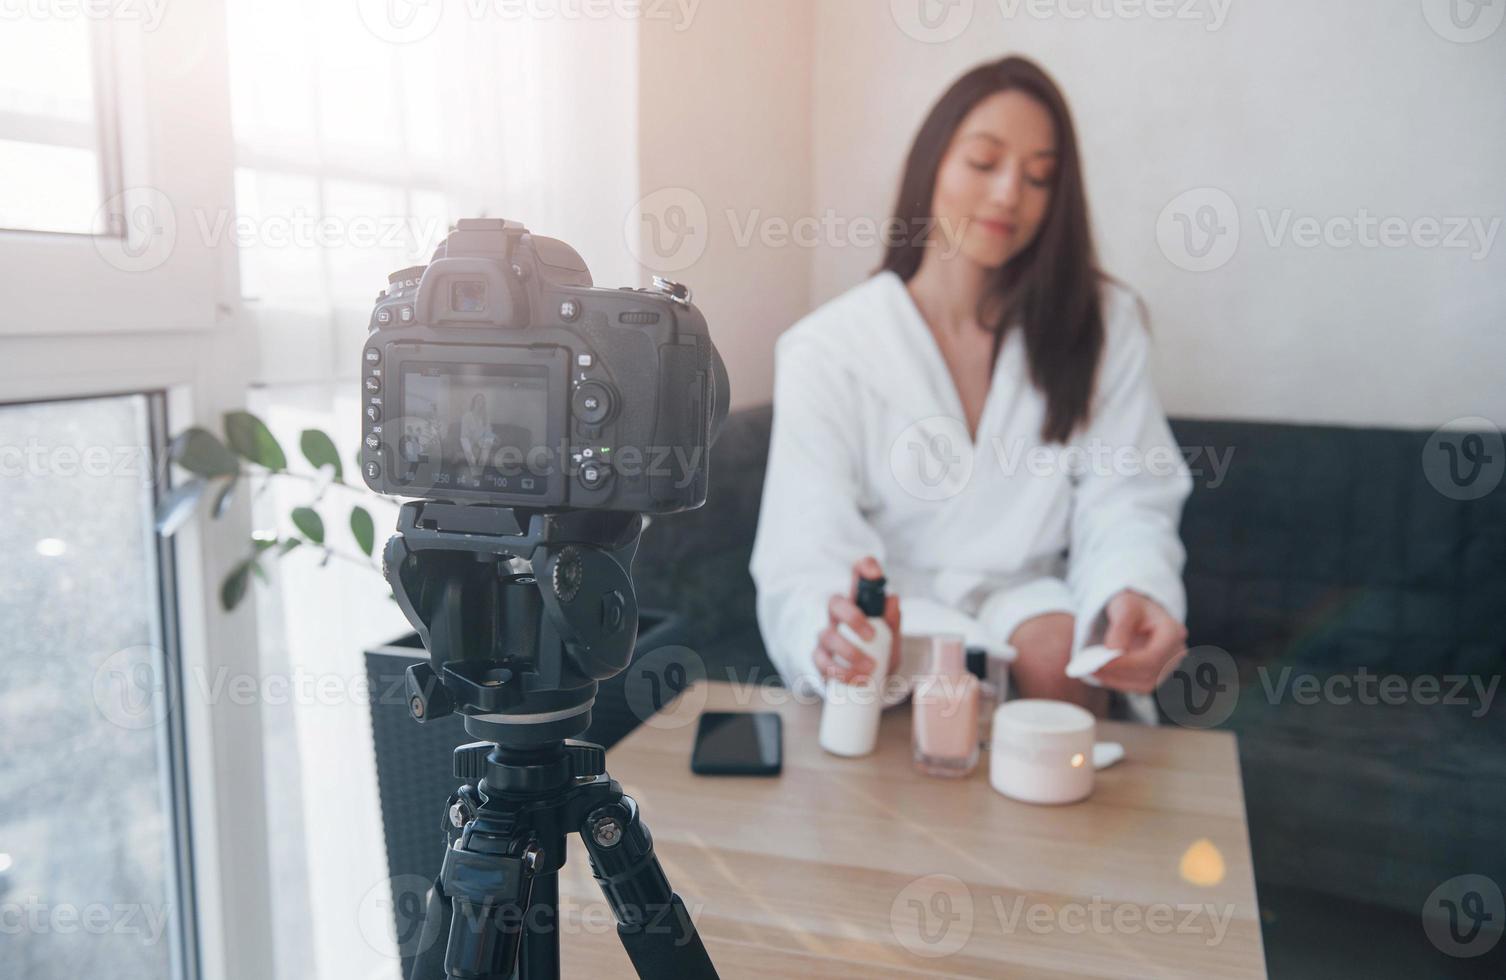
(1321, 552)
(1324, 550)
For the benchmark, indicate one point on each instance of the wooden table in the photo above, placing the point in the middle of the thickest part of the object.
(865, 868)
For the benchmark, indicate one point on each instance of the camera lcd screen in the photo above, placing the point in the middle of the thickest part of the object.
(474, 427)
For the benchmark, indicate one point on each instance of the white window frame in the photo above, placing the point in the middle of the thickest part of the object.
(79, 327)
(89, 284)
(105, 139)
(223, 742)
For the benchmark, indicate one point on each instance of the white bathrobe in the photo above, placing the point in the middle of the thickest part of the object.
(870, 454)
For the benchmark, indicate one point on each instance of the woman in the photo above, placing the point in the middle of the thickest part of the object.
(476, 435)
(976, 422)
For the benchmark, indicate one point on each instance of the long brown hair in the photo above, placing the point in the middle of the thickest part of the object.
(1051, 288)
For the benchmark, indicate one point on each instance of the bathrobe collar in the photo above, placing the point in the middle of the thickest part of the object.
(893, 363)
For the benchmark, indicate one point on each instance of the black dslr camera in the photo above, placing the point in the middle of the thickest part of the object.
(498, 374)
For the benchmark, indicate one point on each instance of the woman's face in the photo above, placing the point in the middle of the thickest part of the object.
(994, 184)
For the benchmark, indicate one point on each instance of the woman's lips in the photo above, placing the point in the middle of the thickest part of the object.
(1001, 228)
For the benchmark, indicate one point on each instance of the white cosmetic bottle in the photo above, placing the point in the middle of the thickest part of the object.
(850, 716)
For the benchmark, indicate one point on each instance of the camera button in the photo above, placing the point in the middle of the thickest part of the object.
(373, 384)
(613, 611)
(383, 316)
(405, 314)
(373, 471)
(594, 475)
(584, 360)
(569, 310)
(373, 356)
(593, 403)
(373, 413)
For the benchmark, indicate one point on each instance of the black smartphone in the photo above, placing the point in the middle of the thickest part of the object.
(741, 743)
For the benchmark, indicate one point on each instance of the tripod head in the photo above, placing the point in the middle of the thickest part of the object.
(522, 612)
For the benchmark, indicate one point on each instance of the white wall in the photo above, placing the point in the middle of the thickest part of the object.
(724, 128)
(1322, 109)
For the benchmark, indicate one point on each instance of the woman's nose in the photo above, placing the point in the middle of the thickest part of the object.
(1006, 188)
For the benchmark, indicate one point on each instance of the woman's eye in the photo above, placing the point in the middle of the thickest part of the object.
(981, 165)
(1040, 180)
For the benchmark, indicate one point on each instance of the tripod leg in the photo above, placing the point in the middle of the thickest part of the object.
(539, 957)
(428, 964)
(652, 921)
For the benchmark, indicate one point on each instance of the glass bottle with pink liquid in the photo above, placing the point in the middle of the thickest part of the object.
(944, 731)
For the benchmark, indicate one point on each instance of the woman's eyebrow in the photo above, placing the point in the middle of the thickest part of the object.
(996, 141)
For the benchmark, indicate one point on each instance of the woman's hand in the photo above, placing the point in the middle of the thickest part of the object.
(836, 657)
(1151, 641)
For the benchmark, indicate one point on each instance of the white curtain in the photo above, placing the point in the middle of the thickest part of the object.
(355, 153)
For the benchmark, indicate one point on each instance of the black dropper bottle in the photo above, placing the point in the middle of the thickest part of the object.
(871, 596)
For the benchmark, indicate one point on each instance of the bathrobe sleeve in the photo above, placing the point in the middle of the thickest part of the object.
(1127, 499)
(810, 528)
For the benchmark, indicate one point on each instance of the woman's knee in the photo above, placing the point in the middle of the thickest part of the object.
(1044, 642)
(1043, 645)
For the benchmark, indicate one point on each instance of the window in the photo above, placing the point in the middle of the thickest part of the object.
(93, 864)
(338, 177)
(354, 153)
(57, 149)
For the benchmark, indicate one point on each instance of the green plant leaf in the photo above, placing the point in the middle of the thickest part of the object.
(250, 437)
(308, 521)
(287, 546)
(319, 449)
(200, 451)
(233, 589)
(178, 506)
(223, 499)
(362, 527)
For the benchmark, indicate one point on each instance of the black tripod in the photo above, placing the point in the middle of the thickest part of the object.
(519, 652)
